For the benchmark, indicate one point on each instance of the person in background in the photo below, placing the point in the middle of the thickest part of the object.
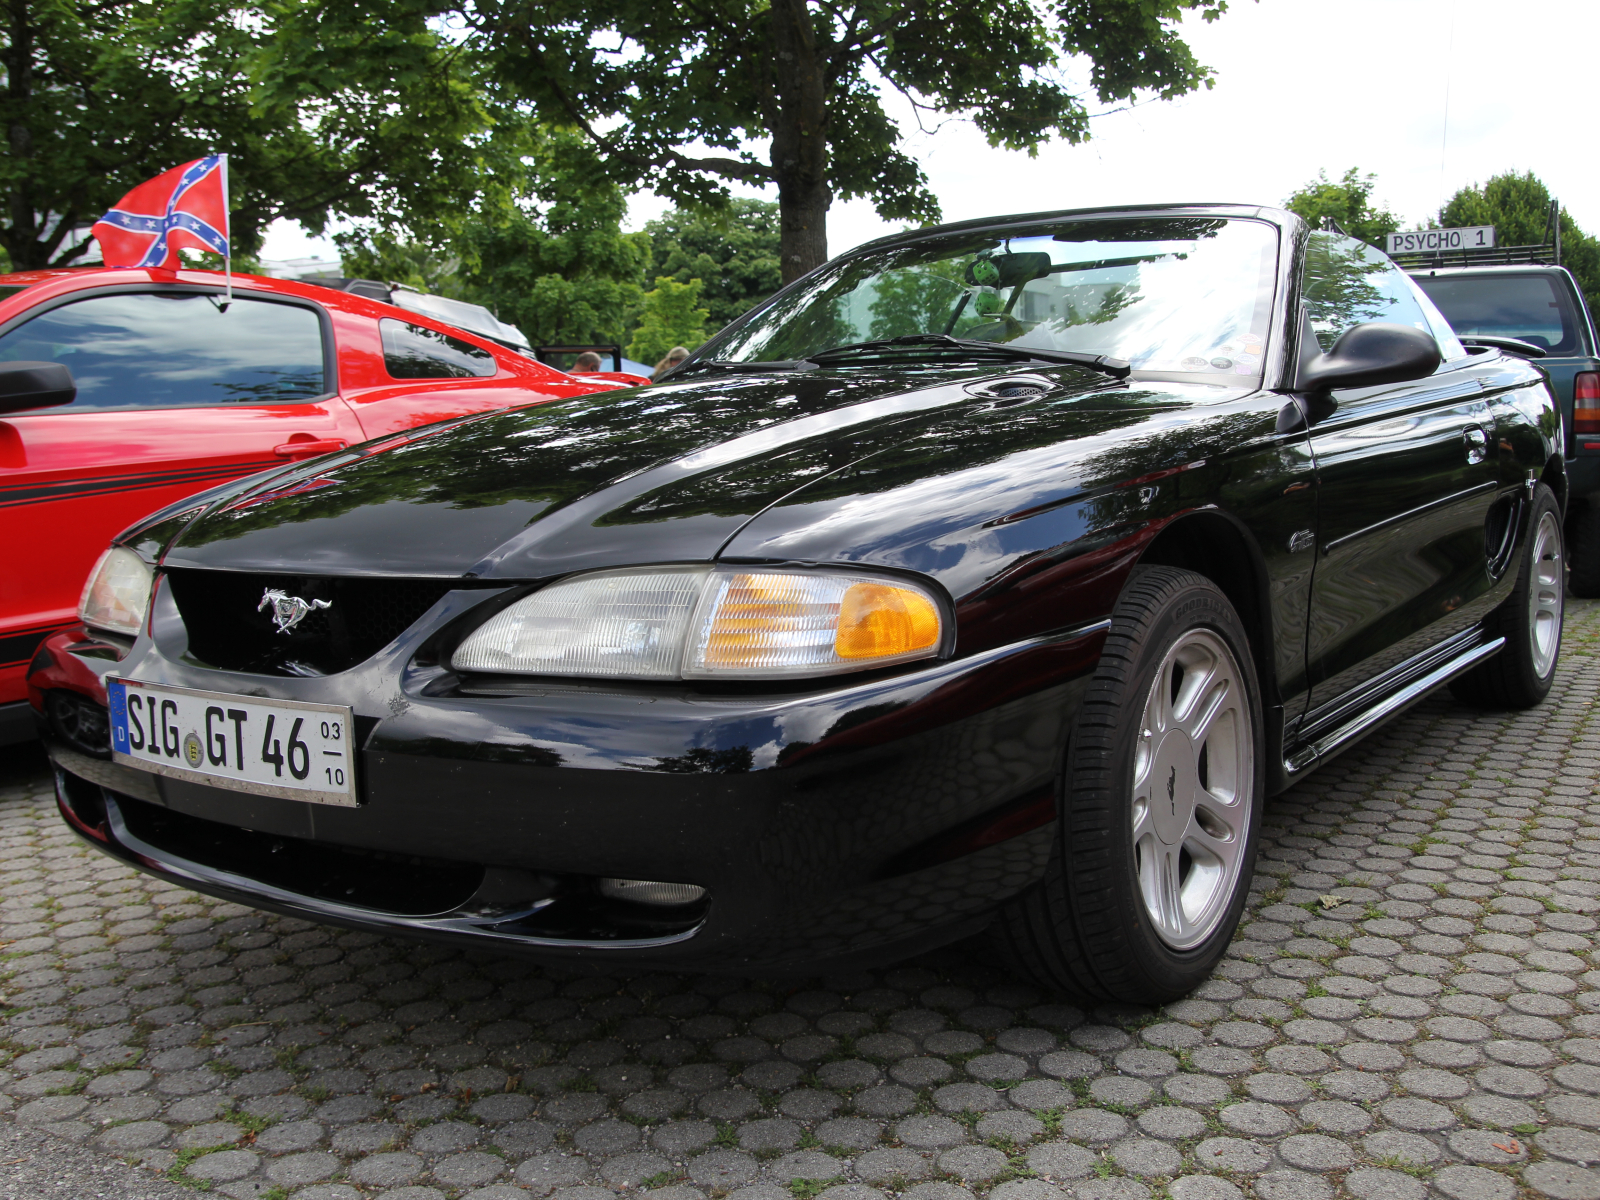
(674, 356)
(587, 361)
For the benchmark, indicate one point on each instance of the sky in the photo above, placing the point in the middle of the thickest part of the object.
(1428, 95)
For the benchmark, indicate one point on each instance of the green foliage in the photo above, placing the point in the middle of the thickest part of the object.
(918, 300)
(556, 265)
(809, 1189)
(734, 254)
(1518, 206)
(674, 95)
(670, 317)
(178, 1172)
(1348, 200)
(375, 119)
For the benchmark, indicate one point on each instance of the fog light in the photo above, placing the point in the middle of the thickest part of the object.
(650, 891)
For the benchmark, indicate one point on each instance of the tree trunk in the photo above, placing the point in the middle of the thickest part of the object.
(21, 238)
(799, 140)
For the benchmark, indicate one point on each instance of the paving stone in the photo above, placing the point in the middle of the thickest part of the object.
(1410, 1148)
(930, 1133)
(1315, 1152)
(1171, 1122)
(1014, 1126)
(1256, 1119)
(807, 1164)
(1558, 1180)
(942, 1190)
(1203, 1187)
(855, 1133)
(1455, 1017)
(1146, 1157)
(1473, 1183)
(722, 1169)
(973, 1164)
(1487, 1146)
(1292, 1185)
(1234, 1155)
(1060, 1161)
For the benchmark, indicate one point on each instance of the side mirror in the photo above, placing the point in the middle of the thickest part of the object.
(1370, 354)
(26, 385)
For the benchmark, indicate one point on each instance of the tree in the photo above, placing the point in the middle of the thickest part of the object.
(673, 95)
(1518, 206)
(377, 120)
(1348, 201)
(734, 253)
(557, 264)
(669, 318)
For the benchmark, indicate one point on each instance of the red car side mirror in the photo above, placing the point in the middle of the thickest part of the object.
(25, 385)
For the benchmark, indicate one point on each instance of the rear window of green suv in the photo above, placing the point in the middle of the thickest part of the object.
(1533, 307)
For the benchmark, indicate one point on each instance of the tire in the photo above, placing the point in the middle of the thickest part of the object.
(1529, 619)
(1583, 548)
(1099, 926)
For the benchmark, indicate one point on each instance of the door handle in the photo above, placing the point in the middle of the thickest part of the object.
(1476, 442)
(303, 445)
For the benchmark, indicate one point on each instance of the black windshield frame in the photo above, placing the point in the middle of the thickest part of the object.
(1280, 281)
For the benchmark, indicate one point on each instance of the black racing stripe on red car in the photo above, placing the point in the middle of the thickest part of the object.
(18, 649)
(74, 489)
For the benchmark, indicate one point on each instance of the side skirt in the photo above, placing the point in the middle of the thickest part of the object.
(1336, 726)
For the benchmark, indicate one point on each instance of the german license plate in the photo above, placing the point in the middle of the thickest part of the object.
(281, 748)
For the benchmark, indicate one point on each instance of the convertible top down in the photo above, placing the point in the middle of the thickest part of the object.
(990, 576)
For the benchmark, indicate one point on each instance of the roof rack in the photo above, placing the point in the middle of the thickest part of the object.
(1543, 254)
(1546, 253)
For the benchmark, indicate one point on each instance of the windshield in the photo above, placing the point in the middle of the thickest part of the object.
(1188, 297)
(1532, 308)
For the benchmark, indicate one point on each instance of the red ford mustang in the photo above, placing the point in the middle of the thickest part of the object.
(178, 390)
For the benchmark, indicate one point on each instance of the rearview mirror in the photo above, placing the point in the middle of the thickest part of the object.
(1008, 270)
(26, 385)
(1370, 354)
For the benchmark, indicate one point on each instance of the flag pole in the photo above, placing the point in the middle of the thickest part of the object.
(227, 258)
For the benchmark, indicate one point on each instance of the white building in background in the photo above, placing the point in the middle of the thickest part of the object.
(302, 268)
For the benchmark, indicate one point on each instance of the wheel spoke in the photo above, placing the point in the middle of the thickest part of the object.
(1212, 832)
(1204, 712)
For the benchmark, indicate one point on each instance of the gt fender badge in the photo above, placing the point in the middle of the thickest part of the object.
(288, 611)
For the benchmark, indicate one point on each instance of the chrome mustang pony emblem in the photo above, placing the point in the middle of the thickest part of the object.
(288, 611)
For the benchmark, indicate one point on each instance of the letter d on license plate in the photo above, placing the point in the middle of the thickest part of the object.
(281, 748)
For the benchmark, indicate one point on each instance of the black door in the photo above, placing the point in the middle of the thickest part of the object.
(1406, 479)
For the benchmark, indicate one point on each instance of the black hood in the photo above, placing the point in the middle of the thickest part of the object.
(659, 474)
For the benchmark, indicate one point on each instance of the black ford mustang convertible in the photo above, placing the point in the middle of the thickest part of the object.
(988, 577)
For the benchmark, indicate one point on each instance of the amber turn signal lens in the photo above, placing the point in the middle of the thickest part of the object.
(761, 624)
(878, 620)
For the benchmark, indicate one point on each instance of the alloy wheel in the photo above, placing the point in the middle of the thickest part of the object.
(1545, 594)
(1193, 789)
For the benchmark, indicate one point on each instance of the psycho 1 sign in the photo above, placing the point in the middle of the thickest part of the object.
(1471, 237)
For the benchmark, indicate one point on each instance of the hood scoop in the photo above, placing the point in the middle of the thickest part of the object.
(1013, 388)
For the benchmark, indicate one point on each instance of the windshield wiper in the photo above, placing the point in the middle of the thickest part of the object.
(907, 346)
(690, 366)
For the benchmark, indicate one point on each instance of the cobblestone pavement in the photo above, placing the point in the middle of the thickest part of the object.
(1409, 1006)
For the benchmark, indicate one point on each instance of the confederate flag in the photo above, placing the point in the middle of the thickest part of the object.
(186, 207)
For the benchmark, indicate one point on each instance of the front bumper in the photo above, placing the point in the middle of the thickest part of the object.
(874, 817)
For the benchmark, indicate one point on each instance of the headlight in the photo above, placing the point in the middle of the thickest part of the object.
(117, 595)
(709, 623)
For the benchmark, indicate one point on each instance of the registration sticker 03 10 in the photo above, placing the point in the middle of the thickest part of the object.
(286, 748)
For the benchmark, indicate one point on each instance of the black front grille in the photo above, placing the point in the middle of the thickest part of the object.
(230, 628)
